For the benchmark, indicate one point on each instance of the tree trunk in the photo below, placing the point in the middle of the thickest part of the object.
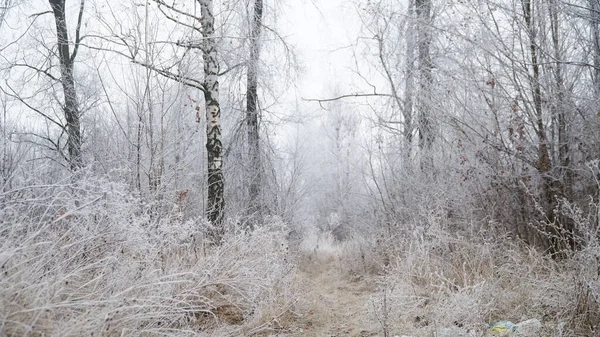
(409, 80)
(71, 107)
(560, 106)
(543, 164)
(254, 174)
(426, 135)
(138, 154)
(215, 199)
(564, 181)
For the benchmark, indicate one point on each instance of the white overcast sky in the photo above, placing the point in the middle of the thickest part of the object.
(323, 32)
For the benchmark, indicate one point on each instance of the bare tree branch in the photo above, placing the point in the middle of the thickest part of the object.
(16, 96)
(179, 78)
(323, 100)
(43, 71)
(232, 68)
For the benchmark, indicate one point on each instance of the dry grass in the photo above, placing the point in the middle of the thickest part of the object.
(100, 274)
(446, 280)
(108, 269)
(436, 279)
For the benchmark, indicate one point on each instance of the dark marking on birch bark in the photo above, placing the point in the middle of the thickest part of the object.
(214, 146)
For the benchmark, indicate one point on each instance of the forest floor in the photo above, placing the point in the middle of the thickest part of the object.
(332, 303)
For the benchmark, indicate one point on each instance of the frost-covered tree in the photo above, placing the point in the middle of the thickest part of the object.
(253, 113)
(47, 75)
(66, 59)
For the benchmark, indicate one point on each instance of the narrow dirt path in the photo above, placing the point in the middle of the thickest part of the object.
(334, 304)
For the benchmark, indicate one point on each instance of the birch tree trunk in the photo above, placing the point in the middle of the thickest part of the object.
(215, 201)
(66, 59)
(252, 112)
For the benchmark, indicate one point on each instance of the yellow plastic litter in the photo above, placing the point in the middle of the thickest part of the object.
(502, 327)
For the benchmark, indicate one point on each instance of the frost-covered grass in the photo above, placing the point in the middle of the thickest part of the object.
(104, 268)
(356, 256)
(91, 259)
(429, 278)
(446, 280)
